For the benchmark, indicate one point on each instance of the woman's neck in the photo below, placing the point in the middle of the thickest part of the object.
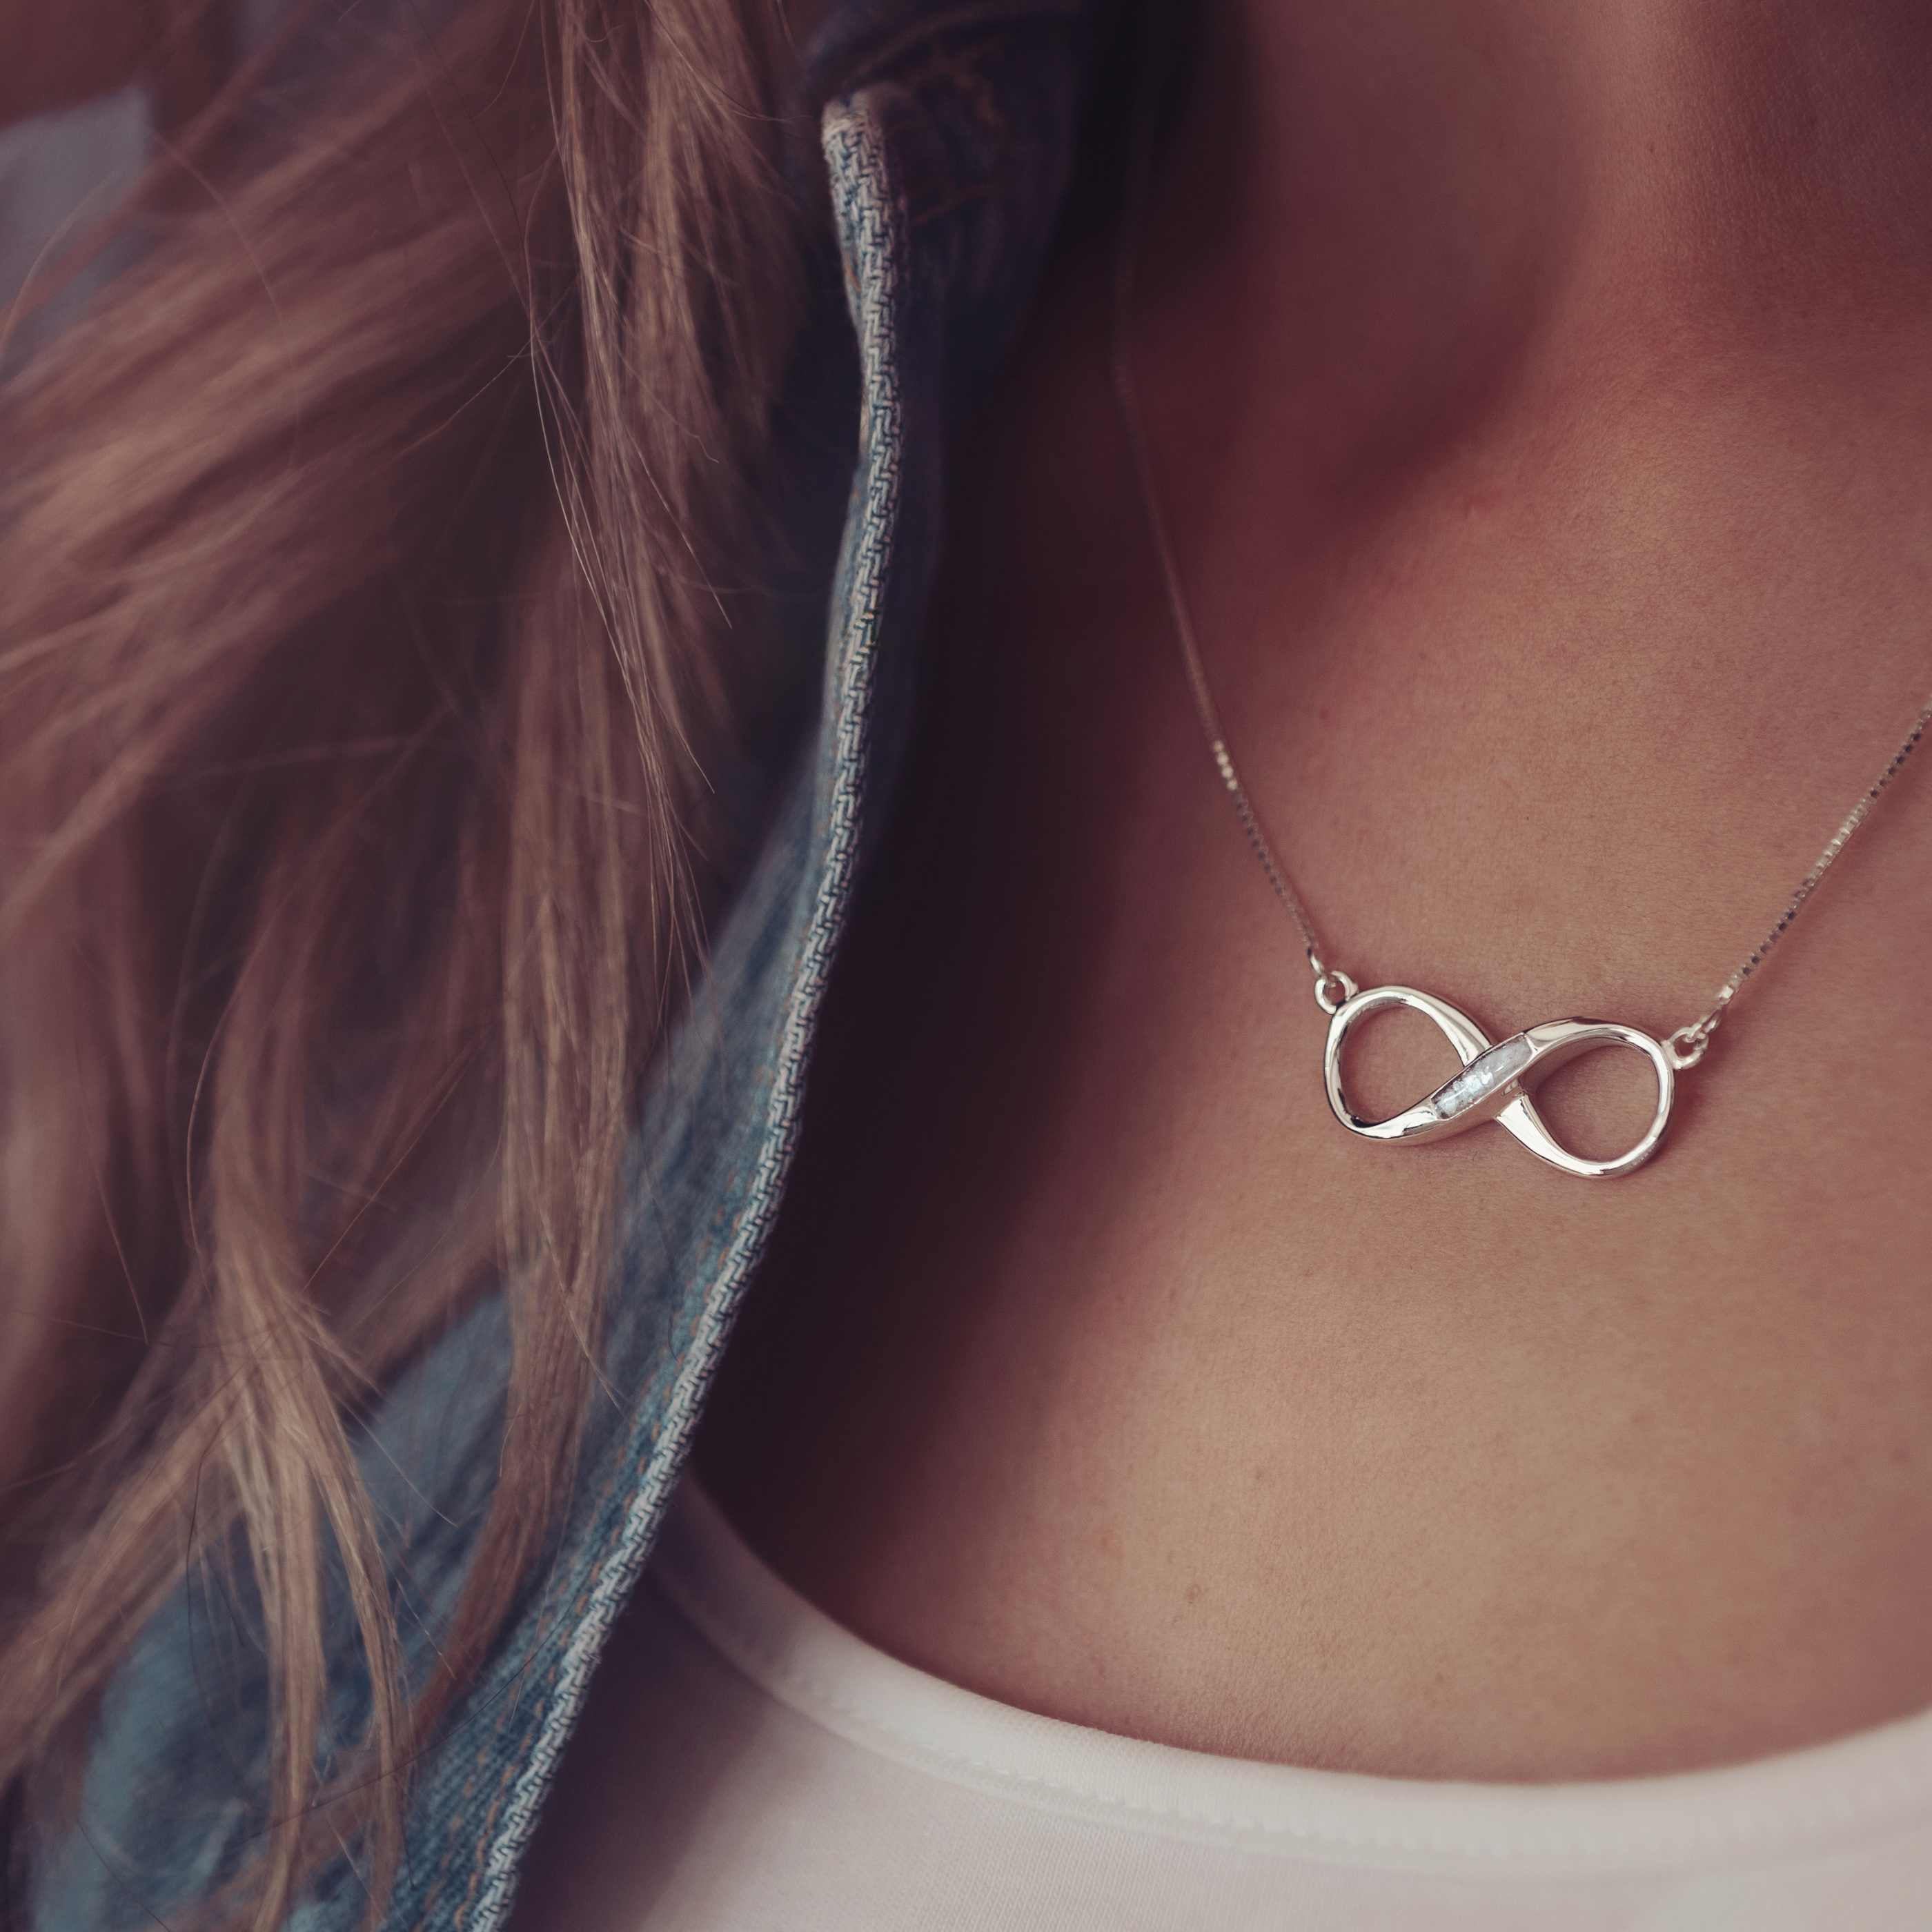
(1598, 333)
(1420, 197)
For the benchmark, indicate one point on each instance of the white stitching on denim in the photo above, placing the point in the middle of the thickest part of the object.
(853, 151)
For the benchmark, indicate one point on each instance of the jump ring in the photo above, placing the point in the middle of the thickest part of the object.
(1333, 989)
(1687, 1046)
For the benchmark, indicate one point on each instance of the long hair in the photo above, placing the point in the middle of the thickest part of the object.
(359, 663)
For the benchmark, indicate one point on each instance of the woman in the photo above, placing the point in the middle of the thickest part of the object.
(1133, 1495)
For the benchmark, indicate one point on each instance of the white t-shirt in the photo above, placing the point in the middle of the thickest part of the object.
(802, 1779)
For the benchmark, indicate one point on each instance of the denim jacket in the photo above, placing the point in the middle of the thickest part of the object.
(948, 128)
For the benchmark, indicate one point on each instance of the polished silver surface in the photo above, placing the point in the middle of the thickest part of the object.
(1496, 1079)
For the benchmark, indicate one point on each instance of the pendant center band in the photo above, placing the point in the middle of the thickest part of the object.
(1496, 1079)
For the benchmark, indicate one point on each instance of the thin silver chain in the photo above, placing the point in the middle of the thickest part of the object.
(1692, 1038)
(1687, 1044)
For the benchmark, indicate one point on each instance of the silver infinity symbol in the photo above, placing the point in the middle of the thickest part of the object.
(1495, 1079)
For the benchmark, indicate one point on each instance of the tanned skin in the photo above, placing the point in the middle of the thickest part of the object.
(1543, 398)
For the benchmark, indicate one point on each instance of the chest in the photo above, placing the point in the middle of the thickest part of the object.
(1138, 1392)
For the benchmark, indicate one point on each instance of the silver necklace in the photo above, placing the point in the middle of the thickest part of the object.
(1498, 1076)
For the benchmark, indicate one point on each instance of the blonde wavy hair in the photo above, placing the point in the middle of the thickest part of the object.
(360, 660)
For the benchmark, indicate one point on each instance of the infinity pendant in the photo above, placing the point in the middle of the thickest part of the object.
(1496, 1077)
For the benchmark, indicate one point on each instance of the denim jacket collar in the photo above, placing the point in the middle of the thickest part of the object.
(948, 131)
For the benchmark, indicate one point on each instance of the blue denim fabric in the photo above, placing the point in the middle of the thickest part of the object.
(948, 131)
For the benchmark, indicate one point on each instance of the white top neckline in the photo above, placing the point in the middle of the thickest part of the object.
(1803, 1800)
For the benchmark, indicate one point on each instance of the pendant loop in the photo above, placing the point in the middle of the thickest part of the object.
(1333, 988)
(1496, 1079)
(1687, 1046)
